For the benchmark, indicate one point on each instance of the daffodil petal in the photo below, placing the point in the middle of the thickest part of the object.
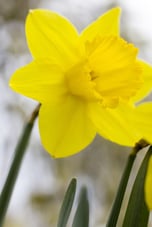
(143, 120)
(148, 185)
(51, 35)
(41, 80)
(107, 24)
(125, 125)
(64, 127)
(115, 124)
(147, 81)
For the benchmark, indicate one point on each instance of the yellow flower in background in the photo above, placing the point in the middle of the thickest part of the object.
(148, 185)
(87, 83)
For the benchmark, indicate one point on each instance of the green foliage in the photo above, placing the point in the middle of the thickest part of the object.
(137, 213)
(113, 218)
(81, 218)
(67, 204)
(14, 171)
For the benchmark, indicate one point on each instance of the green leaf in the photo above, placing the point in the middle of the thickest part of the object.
(137, 213)
(114, 214)
(81, 218)
(67, 204)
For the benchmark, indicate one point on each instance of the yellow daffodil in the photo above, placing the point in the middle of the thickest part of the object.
(87, 83)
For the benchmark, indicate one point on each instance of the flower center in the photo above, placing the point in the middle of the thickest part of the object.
(111, 72)
(80, 82)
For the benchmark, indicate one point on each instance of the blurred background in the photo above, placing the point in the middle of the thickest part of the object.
(42, 180)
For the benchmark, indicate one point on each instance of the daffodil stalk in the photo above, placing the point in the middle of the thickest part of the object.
(113, 218)
(115, 211)
(137, 212)
(15, 166)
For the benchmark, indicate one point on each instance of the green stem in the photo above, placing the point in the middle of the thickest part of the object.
(137, 213)
(113, 218)
(15, 166)
(112, 221)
